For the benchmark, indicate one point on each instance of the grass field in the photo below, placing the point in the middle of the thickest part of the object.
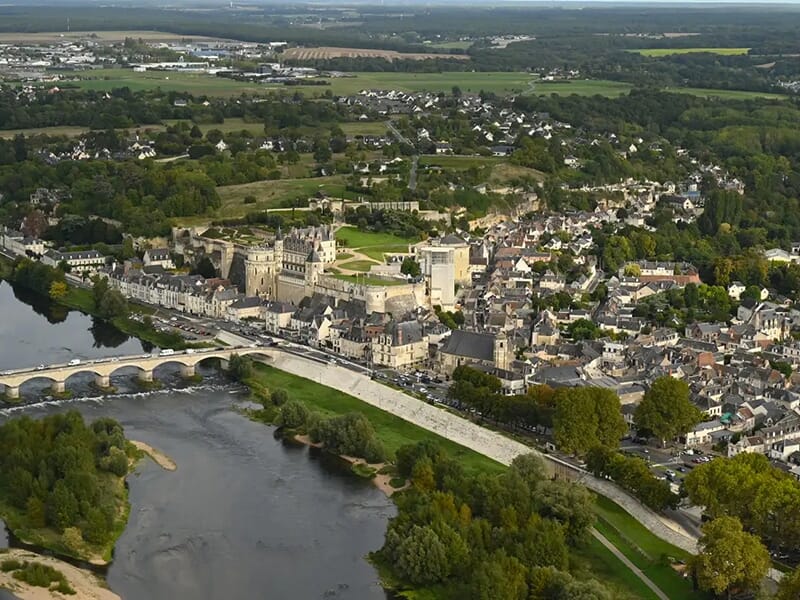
(459, 162)
(66, 130)
(393, 431)
(595, 560)
(455, 45)
(583, 87)
(231, 124)
(353, 238)
(270, 194)
(203, 84)
(358, 265)
(378, 252)
(194, 83)
(363, 128)
(728, 94)
(645, 550)
(659, 52)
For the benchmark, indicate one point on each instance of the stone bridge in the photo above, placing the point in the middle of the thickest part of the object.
(104, 368)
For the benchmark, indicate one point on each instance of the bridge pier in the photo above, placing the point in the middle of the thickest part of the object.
(102, 381)
(188, 371)
(146, 375)
(12, 392)
(224, 364)
(58, 387)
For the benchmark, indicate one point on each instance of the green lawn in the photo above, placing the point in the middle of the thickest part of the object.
(358, 265)
(378, 253)
(659, 52)
(66, 130)
(595, 560)
(364, 128)
(367, 280)
(645, 550)
(353, 238)
(393, 431)
(583, 87)
(727, 94)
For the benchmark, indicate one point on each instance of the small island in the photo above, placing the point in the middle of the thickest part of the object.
(62, 483)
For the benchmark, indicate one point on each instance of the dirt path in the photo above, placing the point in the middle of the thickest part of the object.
(624, 559)
(355, 254)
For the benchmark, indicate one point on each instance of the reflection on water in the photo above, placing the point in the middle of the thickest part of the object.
(35, 331)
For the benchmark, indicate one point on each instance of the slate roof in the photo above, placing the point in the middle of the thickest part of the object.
(479, 346)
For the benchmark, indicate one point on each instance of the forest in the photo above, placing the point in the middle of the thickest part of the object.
(62, 482)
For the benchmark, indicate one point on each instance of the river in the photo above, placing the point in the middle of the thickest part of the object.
(245, 515)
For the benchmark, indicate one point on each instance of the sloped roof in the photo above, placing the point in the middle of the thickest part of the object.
(468, 344)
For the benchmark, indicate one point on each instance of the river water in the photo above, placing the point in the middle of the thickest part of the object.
(244, 516)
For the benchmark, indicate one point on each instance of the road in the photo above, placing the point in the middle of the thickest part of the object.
(412, 176)
(624, 560)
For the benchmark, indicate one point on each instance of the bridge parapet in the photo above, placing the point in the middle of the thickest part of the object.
(103, 369)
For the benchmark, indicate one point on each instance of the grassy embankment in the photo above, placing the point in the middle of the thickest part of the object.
(593, 559)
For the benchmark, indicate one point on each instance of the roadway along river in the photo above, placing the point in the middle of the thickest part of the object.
(244, 516)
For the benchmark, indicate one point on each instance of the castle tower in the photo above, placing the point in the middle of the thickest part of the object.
(314, 268)
(501, 355)
(260, 271)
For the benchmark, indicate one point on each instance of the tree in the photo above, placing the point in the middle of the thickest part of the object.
(729, 558)
(58, 289)
(410, 267)
(72, 539)
(293, 415)
(113, 305)
(240, 367)
(500, 576)
(422, 557)
(585, 417)
(279, 396)
(583, 329)
(789, 587)
(666, 410)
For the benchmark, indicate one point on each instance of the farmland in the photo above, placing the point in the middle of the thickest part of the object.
(583, 87)
(728, 94)
(324, 52)
(661, 52)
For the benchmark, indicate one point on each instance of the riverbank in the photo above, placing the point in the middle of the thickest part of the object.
(375, 472)
(158, 457)
(87, 585)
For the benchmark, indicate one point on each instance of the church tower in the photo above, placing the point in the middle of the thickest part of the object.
(501, 355)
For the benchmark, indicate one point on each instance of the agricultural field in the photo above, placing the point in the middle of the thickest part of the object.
(99, 36)
(728, 94)
(66, 130)
(498, 82)
(168, 81)
(454, 45)
(325, 52)
(660, 52)
(583, 87)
